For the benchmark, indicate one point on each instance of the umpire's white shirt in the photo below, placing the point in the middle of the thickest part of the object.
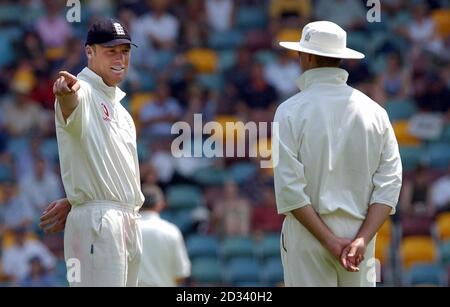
(97, 146)
(164, 257)
(337, 148)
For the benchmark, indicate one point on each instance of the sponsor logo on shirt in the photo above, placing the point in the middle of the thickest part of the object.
(106, 117)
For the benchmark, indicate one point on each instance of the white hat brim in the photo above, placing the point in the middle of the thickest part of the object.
(347, 53)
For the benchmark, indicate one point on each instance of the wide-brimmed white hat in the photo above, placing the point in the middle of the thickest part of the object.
(324, 38)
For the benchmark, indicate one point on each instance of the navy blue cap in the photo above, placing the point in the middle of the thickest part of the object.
(108, 32)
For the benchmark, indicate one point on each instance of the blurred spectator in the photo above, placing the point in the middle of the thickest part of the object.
(41, 187)
(421, 30)
(43, 91)
(164, 260)
(415, 199)
(53, 28)
(17, 258)
(220, 14)
(158, 27)
(440, 193)
(286, 8)
(158, 114)
(24, 117)
(395, 79)
(32, 49)
(358, 72)
(349, 14)
(231, 214)
(74, 57)
(17, 211)
(283, 74)
(265, 217)
(435, 97)
(38, 275)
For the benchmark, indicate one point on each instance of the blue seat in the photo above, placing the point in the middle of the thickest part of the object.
(227, 59)
(225, 40)
(444, 253)
(202, 246)
(241, 270)
(426, 274)
(211, 81)
(183, 197)
(400, 109)
(49, 149)
(438, 155)
(410, 156)
(446, 134)
(210, 177)
(269, 246)
(241, 172)
(237, 247)
(272, 272)
(251, 17)
(207, 271)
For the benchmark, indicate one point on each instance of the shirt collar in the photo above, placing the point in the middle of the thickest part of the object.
(112, 92)
(330, 75)
(149, 214)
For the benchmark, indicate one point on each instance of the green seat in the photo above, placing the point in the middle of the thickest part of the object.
(410, 156)
(210, 177)
(237, 247)
(207, 271)
(400, 109)
(181, 197)
(269, 246)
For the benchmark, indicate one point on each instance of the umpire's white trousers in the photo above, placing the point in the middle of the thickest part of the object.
(306, 263)
(102, 245)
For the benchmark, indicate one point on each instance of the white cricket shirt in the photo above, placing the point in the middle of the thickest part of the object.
(164, 257)
(337, 148)
(97, 146)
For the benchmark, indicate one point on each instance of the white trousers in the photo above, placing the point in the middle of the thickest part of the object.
(306, 263)
(102, 245)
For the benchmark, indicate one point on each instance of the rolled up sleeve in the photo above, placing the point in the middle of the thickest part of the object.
(289, 175)
(387, 180)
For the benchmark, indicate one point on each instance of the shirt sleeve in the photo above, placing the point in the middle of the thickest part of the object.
(289, 174)
(76, 122)
(387, 179)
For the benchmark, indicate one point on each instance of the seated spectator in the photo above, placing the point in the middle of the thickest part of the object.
(16, 211)
(265, 217)
(41, 187)
(283, 74)
(158, 115)
(220, 14)
(53, 28)
(415, 197)
(394, 81)
(231, 214)
(440, 192)
(17, 258)
(38, 276)
(24, 117)
(158, 27)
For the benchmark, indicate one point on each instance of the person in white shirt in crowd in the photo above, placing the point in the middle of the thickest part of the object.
(16, 258)
(282, 74)
(99, 165)
(339, 173)
(41, 186)
(220, 14)
(440, 193)
(15, 210)
(164, 261)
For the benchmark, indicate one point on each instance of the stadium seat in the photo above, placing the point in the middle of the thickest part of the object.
(403, 135)
(272, 272)
(444, 253)
(438, 155)
(49, 149)
(443, 226)
(237, 247)
(202, 246)
(183, 197)
(225, 40)
(213, 82)
(441, 18)
(411, 157)
(207, 271)
(204, 60)
(417, 249)
(251, 17)
(210, 176)
(400, 109)
(242, 269)
(265, 57)
(425, 275)
(446, 134)
(227, 59)
(241, 172)
(269, 246)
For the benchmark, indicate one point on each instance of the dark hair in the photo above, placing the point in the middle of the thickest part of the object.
(153, 196)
